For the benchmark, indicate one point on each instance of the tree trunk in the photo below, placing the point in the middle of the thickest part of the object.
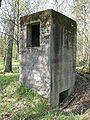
(84, 46)
(0, 2)
(89, 62)
(17, 26)
(56, 4)
(8, 61)
(84, 38)
(17, 35)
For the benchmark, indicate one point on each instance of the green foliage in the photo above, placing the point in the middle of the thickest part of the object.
(16, 69)
(1, 63)
(82, 66)
(1, 60)
(81, 63)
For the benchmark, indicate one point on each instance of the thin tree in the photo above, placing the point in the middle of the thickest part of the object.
(0, 2)
(8, 61)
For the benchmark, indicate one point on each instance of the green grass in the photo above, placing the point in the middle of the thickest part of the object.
(15, 64)
(20, 103)
(17, 102)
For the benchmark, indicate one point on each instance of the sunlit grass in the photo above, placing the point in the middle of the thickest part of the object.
(18, 102)
(15, 64)
(16, 99)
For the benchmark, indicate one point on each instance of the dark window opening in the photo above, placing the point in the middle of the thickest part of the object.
(33, 35)
(62, 96)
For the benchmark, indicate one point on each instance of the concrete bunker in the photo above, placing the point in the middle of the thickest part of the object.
(48, 54)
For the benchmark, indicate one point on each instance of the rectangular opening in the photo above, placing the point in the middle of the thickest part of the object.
(62, 96)
(33, 35)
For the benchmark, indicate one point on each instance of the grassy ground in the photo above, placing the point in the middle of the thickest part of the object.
(20, 103)
(15, 64)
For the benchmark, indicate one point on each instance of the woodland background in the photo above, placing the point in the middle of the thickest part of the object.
(20, 103)
(12, 10)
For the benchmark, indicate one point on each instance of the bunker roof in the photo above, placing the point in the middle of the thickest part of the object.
(41, 15)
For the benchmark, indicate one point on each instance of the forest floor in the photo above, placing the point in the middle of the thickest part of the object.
(80, 96)
(20, 103)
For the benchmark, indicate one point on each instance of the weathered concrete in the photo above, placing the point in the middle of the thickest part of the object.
(63, 55)
(50, 68)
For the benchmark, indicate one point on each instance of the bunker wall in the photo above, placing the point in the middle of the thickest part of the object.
(63, 56)
(35, 61)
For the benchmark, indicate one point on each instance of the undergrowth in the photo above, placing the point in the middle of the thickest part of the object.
(20, 103)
